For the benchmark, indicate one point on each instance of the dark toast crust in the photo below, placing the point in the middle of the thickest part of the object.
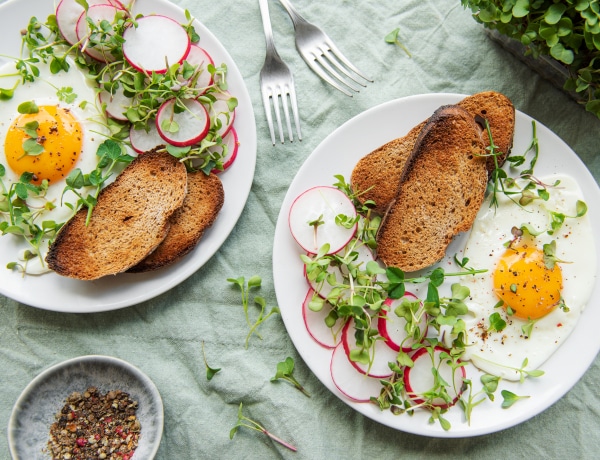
(441, 191)
(130, 220)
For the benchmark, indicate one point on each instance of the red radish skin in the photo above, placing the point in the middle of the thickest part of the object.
(96, 13)
(351, 383)
(419, 378)
(327, 337)
(156, 43)
(233, 145)
(383, 354)
(323, 202)
(391, 327)
(193, 122)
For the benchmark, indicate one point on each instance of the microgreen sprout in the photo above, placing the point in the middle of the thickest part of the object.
(393, 39)
(285, 371)
(471, 400)
(253, 283)
(509, 398)
(210, 371)
(243, 421)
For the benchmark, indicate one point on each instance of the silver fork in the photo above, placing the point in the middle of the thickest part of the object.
(277, 83)
(322, 56)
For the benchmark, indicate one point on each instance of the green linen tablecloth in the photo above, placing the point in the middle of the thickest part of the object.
(163, 336)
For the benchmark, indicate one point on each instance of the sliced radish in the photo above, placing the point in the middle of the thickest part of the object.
(383, 354)
(199, 58)
(321, 204)
(143, 141)
(116, 104)
(68, 13)
(393, 328)
(233, 145)
(97, 14)
(349, 381)
(419, 379)
(314, 321)
(219, 110)
(156, 43)
(182, 126)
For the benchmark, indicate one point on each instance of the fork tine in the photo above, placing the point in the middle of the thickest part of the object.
(286, 112)
(325, 59)
(266, 96)
(294, 104)
(339, 55)
(330, 55)
(276, 95)
(321, 73)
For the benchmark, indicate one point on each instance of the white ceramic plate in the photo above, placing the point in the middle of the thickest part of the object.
(53, 292)
(338, 154)
(34, 412)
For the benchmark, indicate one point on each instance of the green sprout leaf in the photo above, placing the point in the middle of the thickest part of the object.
(393, 39)
(285, 371)
(509, 398)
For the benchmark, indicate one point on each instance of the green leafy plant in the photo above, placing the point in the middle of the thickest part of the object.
(243, 421)
(285, 371)
(568, 31)
(210, 371)
(245, 288)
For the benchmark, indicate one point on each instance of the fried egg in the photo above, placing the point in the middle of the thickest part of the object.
(539, 301)
(69, 129)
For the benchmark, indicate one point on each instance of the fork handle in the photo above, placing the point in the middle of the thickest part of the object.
(293, 13)
(266, 20)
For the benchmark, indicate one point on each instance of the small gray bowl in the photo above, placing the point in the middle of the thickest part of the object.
(34, 411)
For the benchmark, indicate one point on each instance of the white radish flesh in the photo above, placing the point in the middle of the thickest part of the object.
(354, 385)
(419, 379)
(155, 43)
(186, 127)
(97, 14)
(116, 104)
(219, 110)
(199, 58)
(68, 13)
(321, 204)
(392, 328)
(233, 145)
(383, 354)
(314, 321)
(143, 141)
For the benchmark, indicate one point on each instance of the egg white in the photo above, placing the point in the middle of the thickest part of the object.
(503, 353)
(43, 91)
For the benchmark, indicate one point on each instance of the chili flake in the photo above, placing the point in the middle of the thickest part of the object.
(95, 425)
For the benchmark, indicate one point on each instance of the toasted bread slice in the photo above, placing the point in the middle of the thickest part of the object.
(129, 221)
(377, 175)
(440, 193)
(204, 200)
(499, 111)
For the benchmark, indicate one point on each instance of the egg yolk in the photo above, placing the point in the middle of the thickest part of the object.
(525, 284)
(60, 135)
